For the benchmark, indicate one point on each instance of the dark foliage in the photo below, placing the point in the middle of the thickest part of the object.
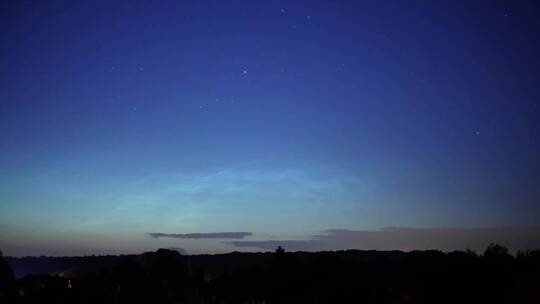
(8, 287)
(166, 276)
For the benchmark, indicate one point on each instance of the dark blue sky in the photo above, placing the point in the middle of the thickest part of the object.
(278, 118)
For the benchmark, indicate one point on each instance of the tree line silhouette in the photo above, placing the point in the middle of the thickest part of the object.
(166, 276)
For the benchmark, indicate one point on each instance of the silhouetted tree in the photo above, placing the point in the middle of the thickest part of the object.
(495, 250)
(470, 252)
(350, 276)
(8, 287)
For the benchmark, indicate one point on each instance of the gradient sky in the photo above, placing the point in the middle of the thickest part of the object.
(277, 118)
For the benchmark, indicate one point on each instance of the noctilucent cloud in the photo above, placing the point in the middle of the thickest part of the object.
(214, 126)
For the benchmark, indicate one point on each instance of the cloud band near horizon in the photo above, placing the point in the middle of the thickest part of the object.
(401, 238)
(210, 235)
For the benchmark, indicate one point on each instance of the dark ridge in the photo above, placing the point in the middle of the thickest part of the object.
(356, 276)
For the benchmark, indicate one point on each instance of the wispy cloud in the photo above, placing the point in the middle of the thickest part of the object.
(211, 235)
(401, 238)
(257, 195)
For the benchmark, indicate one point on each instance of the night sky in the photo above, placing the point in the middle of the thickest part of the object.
(213, 126)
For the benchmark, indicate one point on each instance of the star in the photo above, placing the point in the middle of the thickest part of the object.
(244, 72)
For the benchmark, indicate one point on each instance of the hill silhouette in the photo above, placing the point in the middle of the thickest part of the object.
(166, 276)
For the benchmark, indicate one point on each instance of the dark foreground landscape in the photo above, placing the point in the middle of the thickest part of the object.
(166, 276)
